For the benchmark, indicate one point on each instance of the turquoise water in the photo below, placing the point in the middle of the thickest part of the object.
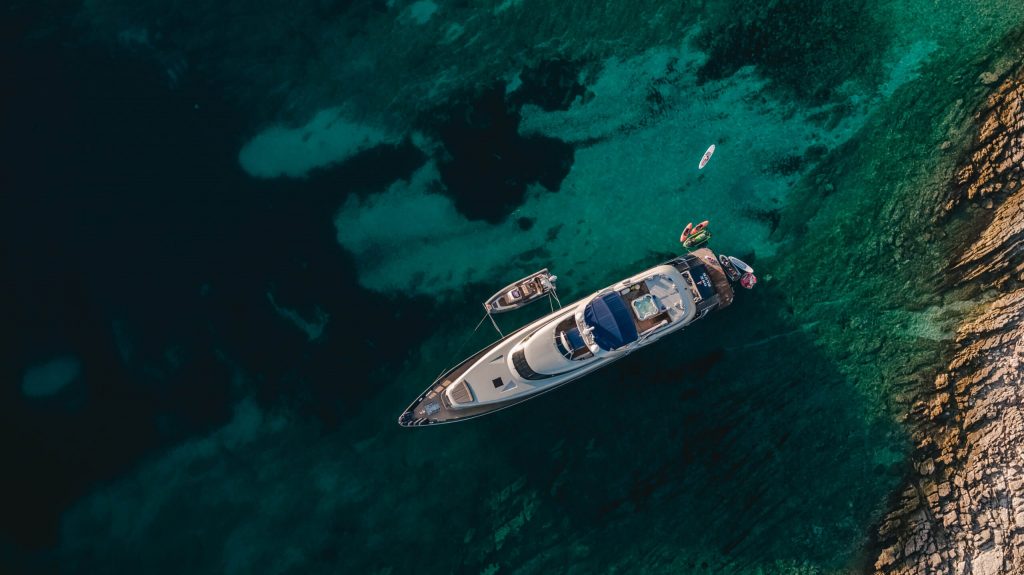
(391, 166)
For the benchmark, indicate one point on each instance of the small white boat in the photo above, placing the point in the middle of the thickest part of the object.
(517, 294)
(706, 157)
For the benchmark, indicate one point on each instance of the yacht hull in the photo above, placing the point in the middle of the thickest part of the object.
(451, 399)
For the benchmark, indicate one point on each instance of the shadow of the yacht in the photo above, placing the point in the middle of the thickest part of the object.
(736, 437)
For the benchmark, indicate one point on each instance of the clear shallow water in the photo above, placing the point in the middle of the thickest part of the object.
(243, 343)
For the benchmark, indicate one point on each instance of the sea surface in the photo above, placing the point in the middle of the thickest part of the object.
(239, 238)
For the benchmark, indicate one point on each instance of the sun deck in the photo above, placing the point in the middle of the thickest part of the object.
(638, 293)
(433, 406)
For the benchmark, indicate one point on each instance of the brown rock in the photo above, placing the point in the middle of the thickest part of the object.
(964, 512)
(999, 148)
(887, 557)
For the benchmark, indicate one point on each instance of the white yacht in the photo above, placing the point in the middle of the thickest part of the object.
(581, 337)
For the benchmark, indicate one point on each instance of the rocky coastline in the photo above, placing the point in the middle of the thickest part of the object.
(961, 510)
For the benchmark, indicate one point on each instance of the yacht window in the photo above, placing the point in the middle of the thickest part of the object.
(497, 382)
(523, 369)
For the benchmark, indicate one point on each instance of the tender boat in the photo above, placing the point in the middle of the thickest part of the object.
(525, 291)
(577, 339)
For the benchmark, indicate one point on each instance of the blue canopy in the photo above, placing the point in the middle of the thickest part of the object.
(611, 320)
(575, 339)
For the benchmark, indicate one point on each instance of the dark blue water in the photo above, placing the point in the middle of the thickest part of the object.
(202, 366)
(128, 224)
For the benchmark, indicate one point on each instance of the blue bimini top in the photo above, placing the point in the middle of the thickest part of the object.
(575, 339)
(611, 320)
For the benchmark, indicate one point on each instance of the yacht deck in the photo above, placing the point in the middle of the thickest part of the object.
(636, 292)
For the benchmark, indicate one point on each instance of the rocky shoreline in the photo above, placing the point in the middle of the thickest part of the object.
(962, 509)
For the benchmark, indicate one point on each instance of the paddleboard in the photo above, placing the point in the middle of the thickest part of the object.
(707, 156)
